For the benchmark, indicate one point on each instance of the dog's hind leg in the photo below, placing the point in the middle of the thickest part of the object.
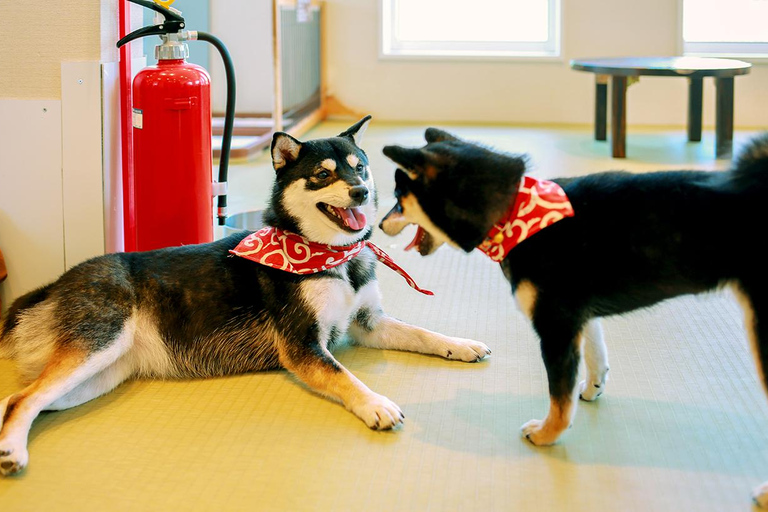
(101, 383)
(372, 328)
(68, 368)
(754, 302)
(596, 358)
(560, 335)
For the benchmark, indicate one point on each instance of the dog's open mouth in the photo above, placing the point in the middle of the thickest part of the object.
(348, 219)
(422, 242)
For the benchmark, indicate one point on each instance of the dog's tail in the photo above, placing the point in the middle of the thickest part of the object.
(6, 350)
(11, 318)
(752, 162)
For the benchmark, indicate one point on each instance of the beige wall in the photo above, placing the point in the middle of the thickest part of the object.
(34, 42)
(519, 91)
(36, 38)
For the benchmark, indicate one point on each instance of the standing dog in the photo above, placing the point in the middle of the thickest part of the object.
(629, 241)
(199, 311)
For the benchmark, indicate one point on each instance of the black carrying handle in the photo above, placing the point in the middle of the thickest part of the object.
(173, 23)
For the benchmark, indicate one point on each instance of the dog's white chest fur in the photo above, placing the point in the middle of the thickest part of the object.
(333, 300)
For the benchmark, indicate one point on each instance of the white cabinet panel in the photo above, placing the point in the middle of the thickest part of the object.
(31, 212)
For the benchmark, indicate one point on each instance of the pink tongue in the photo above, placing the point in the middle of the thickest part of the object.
(415, 241)
(352, 217)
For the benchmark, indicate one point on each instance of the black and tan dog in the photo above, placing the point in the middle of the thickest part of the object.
(199, 311)
(632, 240)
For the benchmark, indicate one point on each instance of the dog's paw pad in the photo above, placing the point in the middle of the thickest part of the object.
(536, 432)
(10, 463)
(590, 391)
(379, 413)
(469, 351)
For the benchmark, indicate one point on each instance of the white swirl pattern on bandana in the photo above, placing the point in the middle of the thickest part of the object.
(293, 253)
(537, 205)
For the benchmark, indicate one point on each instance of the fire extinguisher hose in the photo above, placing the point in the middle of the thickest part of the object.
(229, 117)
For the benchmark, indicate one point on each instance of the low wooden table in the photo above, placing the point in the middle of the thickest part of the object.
(622, 72)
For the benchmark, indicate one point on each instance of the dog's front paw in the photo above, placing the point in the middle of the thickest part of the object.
(469, 351)
(13, 458)
(590, 391)
(379, 412)
(760, 495)
(539, 433)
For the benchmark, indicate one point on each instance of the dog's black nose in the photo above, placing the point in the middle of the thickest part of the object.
(359, 193)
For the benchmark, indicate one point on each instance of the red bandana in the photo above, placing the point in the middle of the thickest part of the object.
(295, 254)
(538, 204)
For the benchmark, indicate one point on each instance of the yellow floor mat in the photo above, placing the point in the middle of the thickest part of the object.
(682, 425)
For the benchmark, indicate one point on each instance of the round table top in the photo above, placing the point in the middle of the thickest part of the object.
(663, 66)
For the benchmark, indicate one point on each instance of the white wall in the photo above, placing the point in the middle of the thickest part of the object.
(31, 204)
(519, 91)
(245, 26)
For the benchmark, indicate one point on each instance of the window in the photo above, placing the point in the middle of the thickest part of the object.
(487, 28)
(720, 27)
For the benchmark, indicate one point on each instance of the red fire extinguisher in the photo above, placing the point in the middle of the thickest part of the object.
(171, 180)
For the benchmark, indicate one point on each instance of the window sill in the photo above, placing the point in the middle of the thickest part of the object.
(472, 56)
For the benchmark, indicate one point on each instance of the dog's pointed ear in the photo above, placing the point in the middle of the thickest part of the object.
(437, 135)
(285, 149)
(411, 159)
(402, 178)
(356, 131)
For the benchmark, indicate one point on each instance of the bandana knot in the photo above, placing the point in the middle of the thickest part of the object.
(293, 253)
(538, 204)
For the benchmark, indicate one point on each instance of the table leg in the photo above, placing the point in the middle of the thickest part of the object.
(619, 116)
(723, 116)
(601, 106)
(695, 94)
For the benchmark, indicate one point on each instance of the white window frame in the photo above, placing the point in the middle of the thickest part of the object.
(748, 51)
(389, 48)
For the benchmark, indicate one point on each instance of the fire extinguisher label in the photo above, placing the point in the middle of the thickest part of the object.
(138, 118)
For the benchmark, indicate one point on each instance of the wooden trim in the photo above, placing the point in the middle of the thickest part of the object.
(266, 115)
(307, 122)
(335, 108)
(277, 113)
(323, 61)
(3, 268)
(293, 3)
(3, 275)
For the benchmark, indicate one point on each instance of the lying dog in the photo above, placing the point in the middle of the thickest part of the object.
(209, 310)
(589, 247)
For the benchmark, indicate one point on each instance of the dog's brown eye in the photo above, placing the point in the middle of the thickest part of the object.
(360, 168)
(323, 175)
